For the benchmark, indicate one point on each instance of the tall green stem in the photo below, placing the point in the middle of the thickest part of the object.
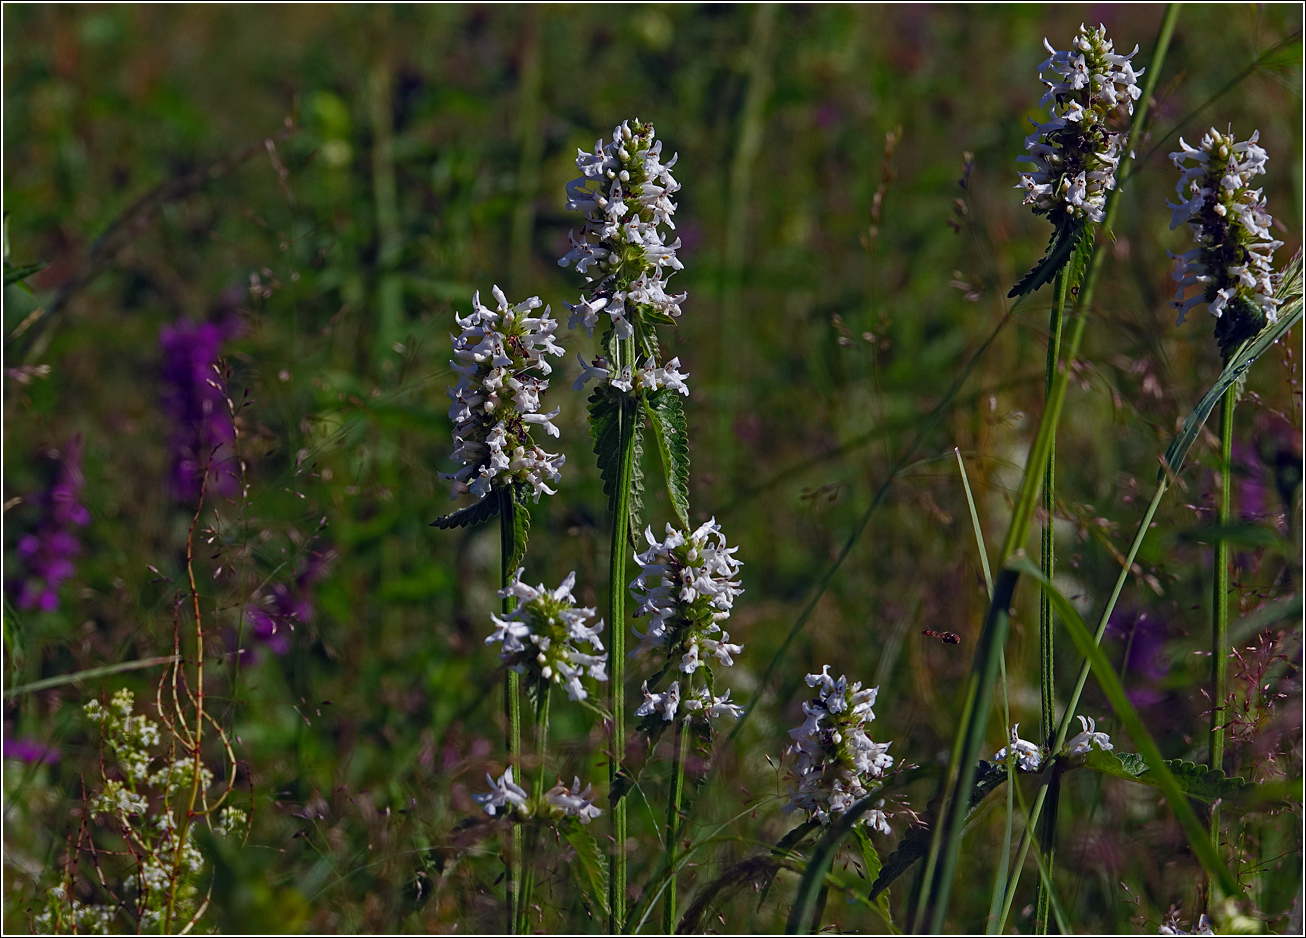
(1220, 600)
(541, 750)
(673, 826)
(1047, 564)
(511, 701)
(617, 649)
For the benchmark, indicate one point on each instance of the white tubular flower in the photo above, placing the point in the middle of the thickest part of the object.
(1074, 154)
(1171, 925)
(573, 802)
(1233, 263)
(497, 399)
(542, 637)
(1085, 741)
(1028, 756)
(665, 703)
(703, 701)
(837, 763)
(504, 795)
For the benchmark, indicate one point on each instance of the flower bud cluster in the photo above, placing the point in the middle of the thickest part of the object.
(542, 637)
(837, 763)
(1232, 263)
(1074, 153)
(624, 191)
(559, 802)
(497, 399)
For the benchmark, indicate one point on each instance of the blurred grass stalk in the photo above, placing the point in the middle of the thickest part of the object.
(945, 845)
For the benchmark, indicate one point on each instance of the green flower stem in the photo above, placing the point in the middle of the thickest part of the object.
(1047, 563)
(1220, 600)
(617, 650)
(673, 826)
(537, 793)
(511, 704)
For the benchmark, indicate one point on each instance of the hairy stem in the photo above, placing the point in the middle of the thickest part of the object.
(1047, 563)
(511, 703)
(537, 792)
(673, 826)
(617, 651)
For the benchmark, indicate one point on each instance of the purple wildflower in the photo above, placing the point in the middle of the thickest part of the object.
(1146, 664)
(47, 553)
(194, 395)
(30, 751)
(274, 613)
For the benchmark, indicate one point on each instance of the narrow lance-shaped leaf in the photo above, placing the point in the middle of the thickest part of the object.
(666, 416)
(606, 406)
(590, 870)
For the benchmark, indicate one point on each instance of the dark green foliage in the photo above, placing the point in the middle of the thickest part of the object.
(1197, 781)
(590, 871)
(15, 274)
(666, 415)
(1066, 237)
(472, 515)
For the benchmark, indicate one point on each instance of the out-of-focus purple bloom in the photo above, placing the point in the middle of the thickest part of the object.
(47, 553)
(30, 751)
(1146, 664)
(274, 613)
(194, 395)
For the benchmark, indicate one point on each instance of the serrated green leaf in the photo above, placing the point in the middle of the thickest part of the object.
(521, 524)
(1197, 781)
(871, 860)
(483, 510)
(610, 412)
(15, 274)
(915, 844)
(1066, 237)
(1290, 313)
(590, 870)
(666, 415)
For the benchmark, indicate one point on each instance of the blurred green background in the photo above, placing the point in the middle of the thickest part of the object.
(344, 178)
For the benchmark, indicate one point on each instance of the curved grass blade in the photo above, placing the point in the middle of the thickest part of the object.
(1198, 839)
(807, 902)
(89, 675)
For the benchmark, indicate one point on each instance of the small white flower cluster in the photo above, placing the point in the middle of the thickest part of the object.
(702, 700)
(1029, 758)
(162, 870)
(836, 761)
(1089, 738)
(649, 376)
(497, 399)
(1233, 261)
(61, 915)
(624, 191)
(542, 636)
(1074, 153)
(559, 802)
(1171, 925)
(128, 736)
(687, 586)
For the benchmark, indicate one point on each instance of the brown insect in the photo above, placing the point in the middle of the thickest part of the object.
(948, 638)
